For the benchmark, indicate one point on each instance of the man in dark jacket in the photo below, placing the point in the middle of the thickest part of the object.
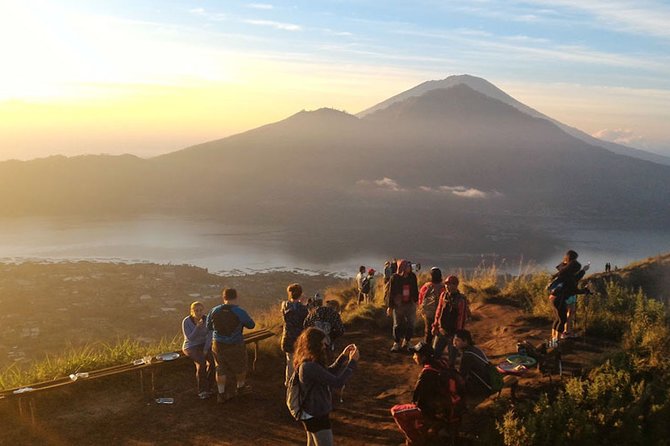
(401, 299)
(452, 312)
(294, 313)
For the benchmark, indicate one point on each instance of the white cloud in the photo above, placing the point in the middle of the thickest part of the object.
(383, 183)
(649, 17)
(260, 6)
(213, 16)
(276, 25)
(621, 136)
(461, 191)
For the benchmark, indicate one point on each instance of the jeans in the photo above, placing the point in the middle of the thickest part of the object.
(404, 316)
(289, 368)
(443, 341)
(204, 367)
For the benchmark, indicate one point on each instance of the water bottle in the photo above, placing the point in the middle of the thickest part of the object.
(165, 400)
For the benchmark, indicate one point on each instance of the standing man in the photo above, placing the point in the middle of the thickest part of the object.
(228, 320)
(363, 284)
(450, 316)
(401, 299)
(294, 313)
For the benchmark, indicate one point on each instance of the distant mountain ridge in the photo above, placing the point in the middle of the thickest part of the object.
(466, 171)
(487, 88)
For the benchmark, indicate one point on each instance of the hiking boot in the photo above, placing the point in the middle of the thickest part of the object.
(244, 390)
(395, 347)
(204, 395)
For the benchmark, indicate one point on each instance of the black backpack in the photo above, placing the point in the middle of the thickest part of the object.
(365, 285)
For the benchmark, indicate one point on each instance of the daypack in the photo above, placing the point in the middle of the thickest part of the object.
(365, 285)
(493, 380)
(431, 299)
(326, 327)
(295, 397)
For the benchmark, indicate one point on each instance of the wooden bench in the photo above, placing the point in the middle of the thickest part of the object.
(25, 395)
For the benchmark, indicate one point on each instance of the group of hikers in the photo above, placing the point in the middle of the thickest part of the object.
(452, 367)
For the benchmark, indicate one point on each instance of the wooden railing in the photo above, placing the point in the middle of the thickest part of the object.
(24, 395)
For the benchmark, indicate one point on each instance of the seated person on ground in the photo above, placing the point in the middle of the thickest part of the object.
(474, 367)
(436, 404)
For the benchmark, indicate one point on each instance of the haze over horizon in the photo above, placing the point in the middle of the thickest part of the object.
(149, 78)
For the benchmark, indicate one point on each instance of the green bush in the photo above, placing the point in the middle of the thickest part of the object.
(624, 401)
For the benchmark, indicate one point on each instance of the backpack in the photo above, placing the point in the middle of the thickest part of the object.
(431, 299)
(493, 380)
(365, 285)
(295, 397)
(325, 327)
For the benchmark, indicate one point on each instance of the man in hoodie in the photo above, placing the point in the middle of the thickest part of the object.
(294, 313)
(401, 300)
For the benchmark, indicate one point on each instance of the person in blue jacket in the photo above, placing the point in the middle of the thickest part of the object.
(227, 321)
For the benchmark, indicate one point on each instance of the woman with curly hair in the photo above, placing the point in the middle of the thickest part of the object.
(316, 379)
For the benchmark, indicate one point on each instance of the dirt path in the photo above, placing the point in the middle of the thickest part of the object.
(105, 413)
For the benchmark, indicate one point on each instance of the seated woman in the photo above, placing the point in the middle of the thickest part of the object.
(437, 403)
(198, 346)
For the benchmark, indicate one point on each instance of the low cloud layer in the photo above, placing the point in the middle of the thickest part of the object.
(461, 191)
(389, 184)
(383, 183)
(621, 136)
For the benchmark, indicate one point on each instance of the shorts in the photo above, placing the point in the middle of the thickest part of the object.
(231, 359)
(571, 300)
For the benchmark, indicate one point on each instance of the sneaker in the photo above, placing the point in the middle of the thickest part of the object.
(204, 395)
(244, 390)
(395, 347)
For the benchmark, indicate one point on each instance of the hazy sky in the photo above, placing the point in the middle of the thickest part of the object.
(148, 77)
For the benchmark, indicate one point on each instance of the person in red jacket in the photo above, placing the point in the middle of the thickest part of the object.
(452, 312)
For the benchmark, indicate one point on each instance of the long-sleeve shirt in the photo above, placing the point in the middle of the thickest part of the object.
(317, 381)
(227, 321)
(294, 314)
(452, 312)
(195, 334)
(567, 276)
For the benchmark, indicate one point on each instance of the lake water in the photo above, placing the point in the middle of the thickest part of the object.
(230, 248)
